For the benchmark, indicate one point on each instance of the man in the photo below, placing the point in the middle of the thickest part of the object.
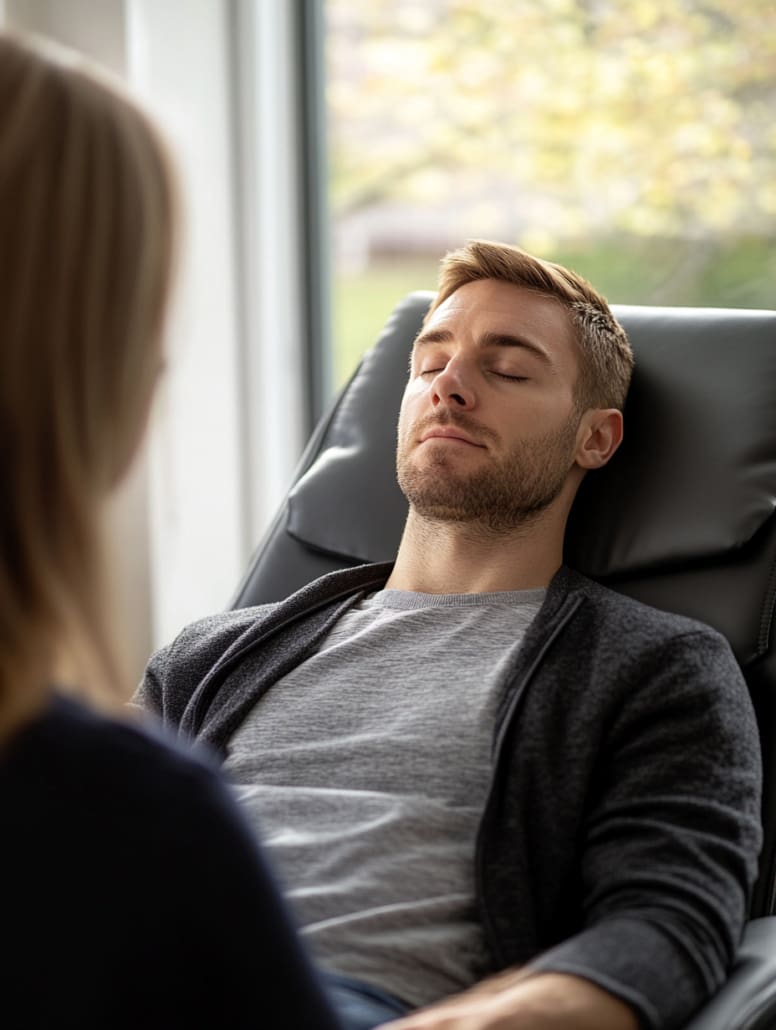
(476, 761)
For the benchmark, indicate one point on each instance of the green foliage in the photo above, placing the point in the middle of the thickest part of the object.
(645, 117)
(634, 141)
(364, 300)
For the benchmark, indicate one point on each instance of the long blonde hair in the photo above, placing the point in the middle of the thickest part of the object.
(87, 225)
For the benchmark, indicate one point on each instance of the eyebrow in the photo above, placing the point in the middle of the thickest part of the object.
(489, 340)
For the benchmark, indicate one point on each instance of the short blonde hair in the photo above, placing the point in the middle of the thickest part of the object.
(606, 358)
(87, 225)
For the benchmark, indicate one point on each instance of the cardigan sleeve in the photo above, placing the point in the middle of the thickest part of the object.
(672, 837)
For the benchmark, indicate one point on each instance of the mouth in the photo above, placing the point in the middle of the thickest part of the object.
(449, 434)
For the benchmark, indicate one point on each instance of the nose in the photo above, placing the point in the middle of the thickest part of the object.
(452, 387)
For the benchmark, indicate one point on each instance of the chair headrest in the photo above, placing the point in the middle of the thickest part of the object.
(694, 479)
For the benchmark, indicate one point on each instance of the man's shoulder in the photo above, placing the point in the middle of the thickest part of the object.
(214, 634)
(220, 626)
(650, 660)
(187, 659)
(175, 669)
(216, 641)
(614, 610)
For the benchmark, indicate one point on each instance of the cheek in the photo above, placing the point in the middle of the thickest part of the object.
(411, 404)
(404, 422)
(414, 388)
(408, 414)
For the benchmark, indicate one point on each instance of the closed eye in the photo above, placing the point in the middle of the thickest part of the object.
(500, 375)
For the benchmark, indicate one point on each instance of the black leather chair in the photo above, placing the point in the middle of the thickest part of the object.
(682, 518)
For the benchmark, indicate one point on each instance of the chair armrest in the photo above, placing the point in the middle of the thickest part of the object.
(747, 1001)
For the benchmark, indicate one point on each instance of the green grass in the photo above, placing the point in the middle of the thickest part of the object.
(363, 302)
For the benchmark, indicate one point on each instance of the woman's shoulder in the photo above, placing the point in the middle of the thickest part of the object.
(115, 829)
(118, 808)
(74, 763)
(73, 735)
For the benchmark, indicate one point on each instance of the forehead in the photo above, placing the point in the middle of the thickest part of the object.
(489, 306)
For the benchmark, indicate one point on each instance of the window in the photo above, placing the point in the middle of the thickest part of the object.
(634, 142)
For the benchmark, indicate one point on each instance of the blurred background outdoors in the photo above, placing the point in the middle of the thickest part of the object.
(635, 142)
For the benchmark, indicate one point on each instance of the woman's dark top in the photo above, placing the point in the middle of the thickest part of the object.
(133, 893)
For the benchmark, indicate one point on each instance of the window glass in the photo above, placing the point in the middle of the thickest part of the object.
(635, 142)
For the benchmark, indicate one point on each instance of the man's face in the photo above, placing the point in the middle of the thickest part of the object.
(488, 425)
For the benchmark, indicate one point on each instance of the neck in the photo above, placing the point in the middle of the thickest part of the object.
(437, 557)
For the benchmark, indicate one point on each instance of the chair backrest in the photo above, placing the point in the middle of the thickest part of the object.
(682, 517)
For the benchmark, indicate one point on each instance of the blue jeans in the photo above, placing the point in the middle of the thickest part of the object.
(358, 1005)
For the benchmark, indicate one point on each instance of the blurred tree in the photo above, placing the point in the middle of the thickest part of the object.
(574, 118)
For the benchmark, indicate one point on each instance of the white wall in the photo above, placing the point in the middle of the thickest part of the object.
(182, 72)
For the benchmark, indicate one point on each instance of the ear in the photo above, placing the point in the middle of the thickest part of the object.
(598, 437)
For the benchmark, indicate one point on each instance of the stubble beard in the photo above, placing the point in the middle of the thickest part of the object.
(505, 493)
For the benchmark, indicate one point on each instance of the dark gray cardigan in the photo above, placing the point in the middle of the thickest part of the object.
(620, 837)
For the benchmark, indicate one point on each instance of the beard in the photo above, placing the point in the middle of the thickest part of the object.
(509, 491)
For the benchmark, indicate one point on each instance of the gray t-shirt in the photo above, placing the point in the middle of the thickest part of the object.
(366, 771)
